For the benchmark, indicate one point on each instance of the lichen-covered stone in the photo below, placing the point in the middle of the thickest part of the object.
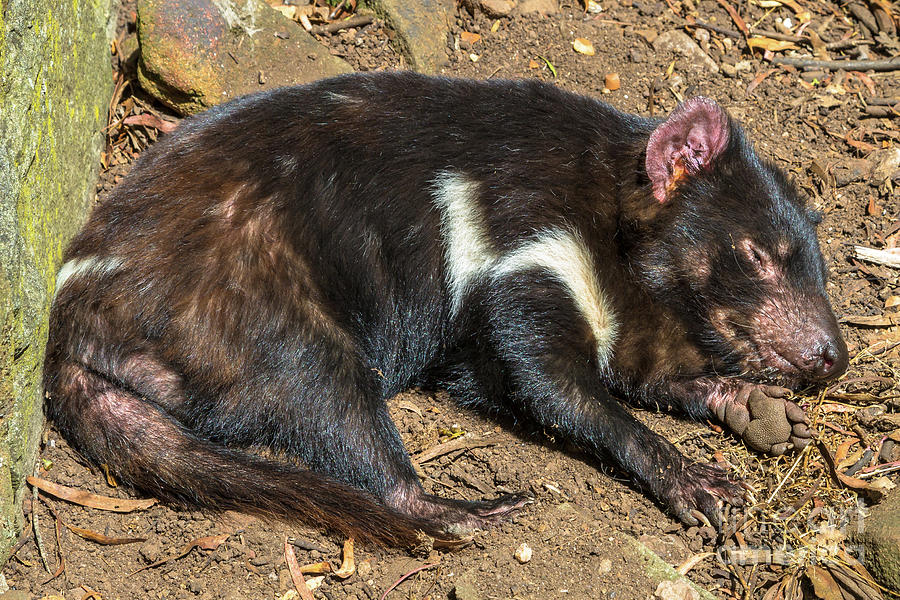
(679, 42)
(494, 9)
(199, 53)
(539, 7)
(421, 29)
(55, 85)
(879, 534)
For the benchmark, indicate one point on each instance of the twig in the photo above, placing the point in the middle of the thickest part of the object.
(357, 21)
(888, 258)
(775, 35)
(883, 111)
(755, 556)
(290, 557)
(787, 475)
(892, 64)
(62, 559)
(883, 350)
(716, 28)
(844, 44)
(738, 21)
(837, 45)
(23, 539)
(457, 444)
(882, 101)
(790, 512)
(405, 577)
(879, 470)
(38, 541)
(691, 562)
(887, 381)
(864, 441)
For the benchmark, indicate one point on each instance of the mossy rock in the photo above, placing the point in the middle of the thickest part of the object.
(199, 53)
(55, 86)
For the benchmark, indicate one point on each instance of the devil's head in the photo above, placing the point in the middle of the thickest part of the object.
(730, 245)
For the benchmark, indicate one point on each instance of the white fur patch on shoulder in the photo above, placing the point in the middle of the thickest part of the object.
(468, 254)
(564, 255)
(467, 250)
(88, 265)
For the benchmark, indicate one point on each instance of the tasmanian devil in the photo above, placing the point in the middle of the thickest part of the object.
(268, 275)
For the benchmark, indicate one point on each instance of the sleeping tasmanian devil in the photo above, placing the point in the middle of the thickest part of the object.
(267, 276)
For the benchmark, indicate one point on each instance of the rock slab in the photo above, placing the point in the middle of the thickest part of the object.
(681, 43)
(421, 28)
(199, 53)
(55, 86)
(879, 535)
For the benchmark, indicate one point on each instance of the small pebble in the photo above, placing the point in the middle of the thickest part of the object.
(523, 553)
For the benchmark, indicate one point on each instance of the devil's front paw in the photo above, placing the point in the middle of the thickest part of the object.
(765, 419)
(697, 496)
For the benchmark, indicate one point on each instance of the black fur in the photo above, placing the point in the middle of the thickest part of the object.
(282, 273)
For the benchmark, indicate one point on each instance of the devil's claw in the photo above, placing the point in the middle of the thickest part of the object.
(698, 495)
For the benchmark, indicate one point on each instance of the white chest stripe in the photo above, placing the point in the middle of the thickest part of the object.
(88, 265)
(469, 254)
(467, 250)
(564, 255)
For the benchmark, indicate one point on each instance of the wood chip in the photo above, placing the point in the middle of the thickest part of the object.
(890, 257)
(886, 320)
(583, 46)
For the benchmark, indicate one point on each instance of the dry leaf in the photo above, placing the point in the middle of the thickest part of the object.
(100, 538)
(819, 49)
(407, 405)
(880, 486)
(210, 542)
(769, 44)
(319, 568)
(738, 21)
(533, 64)
(468, 36)
(801, 13)
(760, 77)
(90, 500)
(583, 46)
(826, 588)
(348, 566)
(867, 81)
(296, 575)
(892, 301)
(288, 11)
(150, 120)
(110, 480)
(872, 208)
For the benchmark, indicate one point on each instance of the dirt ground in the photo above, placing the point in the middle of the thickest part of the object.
(811, 125)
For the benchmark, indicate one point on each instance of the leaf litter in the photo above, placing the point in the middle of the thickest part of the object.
(794, 537)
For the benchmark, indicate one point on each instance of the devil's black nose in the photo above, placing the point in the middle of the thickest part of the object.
(833, 359)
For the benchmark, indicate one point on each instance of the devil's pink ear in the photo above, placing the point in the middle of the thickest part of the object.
(688, 141)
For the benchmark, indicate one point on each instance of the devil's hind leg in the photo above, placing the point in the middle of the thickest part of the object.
(333, 417)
